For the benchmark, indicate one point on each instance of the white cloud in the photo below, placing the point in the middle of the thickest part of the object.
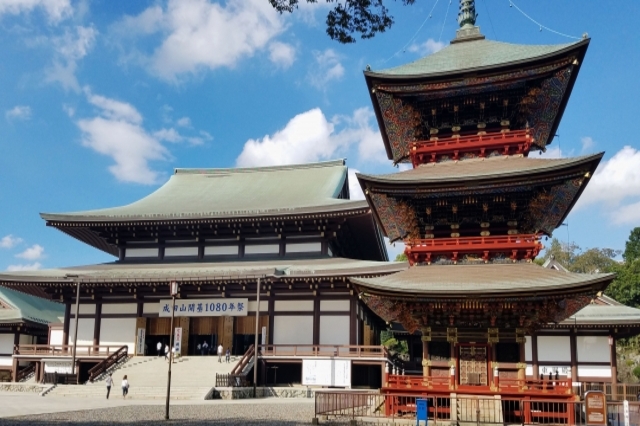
(355, 190)
(118, 133)
(169, 135)
(198, 34)
(428, 47)
(34, 252)
(18, 112)
(587, 143)
(184, 122)
(28, 267)
(9, 241)
(327, 67)
(69, 49)
(69, 110)
(553, 152)
(359, 128)
(56, 10)
(309, 137)
(615, 186)
(282, 54)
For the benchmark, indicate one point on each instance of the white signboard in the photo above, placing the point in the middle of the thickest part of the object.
(60, 367)
(326, 372)
(205, 308)
(140, 341)
(562, 371)
(264, 335)
(177, 341)
(626, 413)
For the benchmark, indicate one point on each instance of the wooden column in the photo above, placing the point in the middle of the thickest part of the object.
(140, 308)
(353, 321)
(67, 323)
(16, 340)
(271, 308)
(453, 378)
(534, 356)
(14, 370)
(614, 365)
(426, 364)
(316, 321)
(96, 324)
(573, 345)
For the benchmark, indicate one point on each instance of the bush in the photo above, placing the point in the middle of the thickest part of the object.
(636, 371)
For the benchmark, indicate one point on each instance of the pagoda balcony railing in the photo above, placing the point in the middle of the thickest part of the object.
(514, 247)
(506, 143)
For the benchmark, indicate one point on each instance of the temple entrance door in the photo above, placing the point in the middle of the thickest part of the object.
(473, 360)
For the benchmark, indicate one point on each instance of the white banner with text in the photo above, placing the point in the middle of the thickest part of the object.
(205, 307)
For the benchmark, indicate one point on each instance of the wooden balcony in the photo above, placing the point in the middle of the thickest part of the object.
(506, 143)
(45, 351)
(336, 351)
(516, 247)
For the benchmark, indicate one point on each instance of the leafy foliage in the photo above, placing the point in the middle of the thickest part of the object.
(401, 257)
(591, 261)
(349, 17)
(394, 345)
(632, 247)
(636, 371)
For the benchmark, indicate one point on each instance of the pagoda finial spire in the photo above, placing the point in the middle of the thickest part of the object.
(467, 14)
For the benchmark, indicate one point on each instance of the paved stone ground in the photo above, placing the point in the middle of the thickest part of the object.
(270, 412)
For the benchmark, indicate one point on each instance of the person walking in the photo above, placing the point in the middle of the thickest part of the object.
(199, 349)
(109, 383)
(220, 351)
(166, 352)
(227, 355)
(125, 386)
(159, 348)
(205, 348)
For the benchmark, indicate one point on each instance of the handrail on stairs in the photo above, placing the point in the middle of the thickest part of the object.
(22, 374)
(243, 361)
(105, 364)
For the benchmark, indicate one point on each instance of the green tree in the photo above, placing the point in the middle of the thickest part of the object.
(632, 247)
(626, 287)
(401, 257)
(364, 17)
(574, 259)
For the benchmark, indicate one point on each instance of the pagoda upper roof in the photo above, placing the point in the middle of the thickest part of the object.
(482, 168)
(239, 192)
(484, 280)
(475, 54)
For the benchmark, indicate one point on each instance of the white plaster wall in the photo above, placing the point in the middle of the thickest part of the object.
(289, 329)
(262, 249)
(554, 348)
(528, 349)
(141, 252)
(84, 309)
(594, 371)
(334, 330)
(6, 361)
(264, 306)
(85, 331)
(180, 251)
(6, 343)
(220, 250)
(55, 338)
(150, 308)
(118, 332)
(334, 305)
(119, 308)
(315, 247)
(529, 370)
(293, 305)
(593, 348)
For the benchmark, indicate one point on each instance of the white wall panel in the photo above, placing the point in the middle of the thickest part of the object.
(334, 330)
(289, 329)
(335, 305)
(120, 308)
(527, 349)
(151, 308)
(85, 331)
(293, 305)
(84, 309)
(593, 348)
(140, 252)
(220, 250)
(6, 361)
(118, 332)
(594, 371)
(262, 249)
(264, 306)
(315, 247)
(180, 251)
(6, 343)
(55, 338)
(554, 348)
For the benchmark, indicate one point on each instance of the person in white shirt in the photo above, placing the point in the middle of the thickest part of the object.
(125, 386)
(199, 349)
(220, 351)
(166, 352)
(109, 383)
(205, 348)
(159, 348)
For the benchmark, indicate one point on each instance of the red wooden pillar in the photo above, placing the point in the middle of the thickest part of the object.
(534, 356)
(66, 324)
(96, 325)
(573, 345)
(614, 365)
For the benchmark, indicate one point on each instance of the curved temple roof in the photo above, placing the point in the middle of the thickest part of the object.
(216, 193)
(25, 307)
(478, 280)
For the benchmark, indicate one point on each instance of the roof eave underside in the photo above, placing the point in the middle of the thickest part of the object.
(580, 49)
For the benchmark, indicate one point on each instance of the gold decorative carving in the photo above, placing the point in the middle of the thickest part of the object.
(426, 363)
(452, 335)
(493, 335)
(522, 365)
(495, 364)
(452, 363)
(426, 334)
(520, 337)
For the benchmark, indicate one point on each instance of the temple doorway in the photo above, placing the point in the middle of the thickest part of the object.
(473, 359)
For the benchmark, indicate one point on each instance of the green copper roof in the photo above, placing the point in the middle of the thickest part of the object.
(605, 314)
(24, 307)
(479, 280)
(204, 193)
(475, 54)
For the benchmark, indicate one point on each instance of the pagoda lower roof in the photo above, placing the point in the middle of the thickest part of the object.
(118, 272)
(485, 280)
(483, 168)
(594, 314)
(229, 193)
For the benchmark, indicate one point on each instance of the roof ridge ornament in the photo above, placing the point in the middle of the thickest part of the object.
(467, 14)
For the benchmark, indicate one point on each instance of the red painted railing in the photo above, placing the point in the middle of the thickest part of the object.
(66, 350)
(521, 246)
(347, 351)
(507, 143)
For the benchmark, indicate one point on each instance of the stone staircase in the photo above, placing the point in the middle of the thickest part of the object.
(191, 378)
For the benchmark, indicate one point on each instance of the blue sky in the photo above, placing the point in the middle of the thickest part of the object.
(102, 99)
